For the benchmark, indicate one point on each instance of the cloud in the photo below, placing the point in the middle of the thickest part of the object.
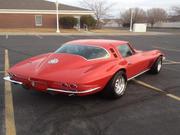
(125, 4)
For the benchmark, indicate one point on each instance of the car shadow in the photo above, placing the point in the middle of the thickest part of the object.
(61, 113)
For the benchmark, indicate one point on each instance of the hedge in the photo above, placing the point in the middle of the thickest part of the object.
(68, 22)
(89, 21)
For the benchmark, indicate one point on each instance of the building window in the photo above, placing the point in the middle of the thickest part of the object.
(38, 20)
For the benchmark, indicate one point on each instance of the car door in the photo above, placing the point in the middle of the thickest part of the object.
(135, 64)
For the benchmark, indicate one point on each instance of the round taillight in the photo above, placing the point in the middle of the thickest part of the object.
(11, 75)
(65, 85)
(74, 86)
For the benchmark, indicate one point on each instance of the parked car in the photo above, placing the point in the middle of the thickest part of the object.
(84, 67)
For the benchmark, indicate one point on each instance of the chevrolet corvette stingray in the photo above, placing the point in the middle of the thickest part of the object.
(84, 67)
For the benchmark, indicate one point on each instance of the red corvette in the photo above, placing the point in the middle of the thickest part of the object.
(84, 67)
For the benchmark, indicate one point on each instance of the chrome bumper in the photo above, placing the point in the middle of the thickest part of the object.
(7, 78)
(74, 92)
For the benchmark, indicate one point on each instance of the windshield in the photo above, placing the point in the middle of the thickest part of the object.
(88, 52)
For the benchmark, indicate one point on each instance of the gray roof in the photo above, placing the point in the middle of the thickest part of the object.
(35, 5)
(175, 18)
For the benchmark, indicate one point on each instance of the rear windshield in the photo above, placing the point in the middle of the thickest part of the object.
(88, 52)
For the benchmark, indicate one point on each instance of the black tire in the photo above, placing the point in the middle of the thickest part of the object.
(111, 90)
(156, 68)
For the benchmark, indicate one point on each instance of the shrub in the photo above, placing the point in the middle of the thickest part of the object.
(68, 22)
(126, 25)
(89, 21)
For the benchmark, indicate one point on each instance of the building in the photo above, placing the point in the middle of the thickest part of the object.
(111, 23)
(35, 13)
(172, 22)
(175, 18)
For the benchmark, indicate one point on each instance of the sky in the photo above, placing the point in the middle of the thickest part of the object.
(121, 5)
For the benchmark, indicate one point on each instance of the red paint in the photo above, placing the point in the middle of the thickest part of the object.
(72, 70)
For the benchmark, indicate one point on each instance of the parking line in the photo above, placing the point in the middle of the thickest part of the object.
(7, 36)
(167, 60)
(9, 109)
(68, 36)
(167, 49)
(173, 96)
(171, 63)
(157, 89)
(39, 36)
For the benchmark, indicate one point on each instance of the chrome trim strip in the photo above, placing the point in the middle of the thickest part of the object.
(138, 74)
(73, 92)
(7, 78)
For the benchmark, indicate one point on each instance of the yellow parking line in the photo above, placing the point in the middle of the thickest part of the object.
(9, 109)
(157, 89)
(148, 86)
(167, 49)
(173, 96)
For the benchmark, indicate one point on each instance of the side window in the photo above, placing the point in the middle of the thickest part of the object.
(125, 50)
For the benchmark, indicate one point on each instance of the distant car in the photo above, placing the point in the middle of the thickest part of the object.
(84, 67)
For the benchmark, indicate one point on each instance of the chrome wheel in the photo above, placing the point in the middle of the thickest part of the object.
(116, 87)
(159, 65)
(120, 85)
(156, 67)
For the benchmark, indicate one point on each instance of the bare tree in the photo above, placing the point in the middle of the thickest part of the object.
(176, 9)
(100, 7)
(155, 15)
(119, 21)
(139, 16)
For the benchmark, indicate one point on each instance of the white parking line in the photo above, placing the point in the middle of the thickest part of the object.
(171, 63)
(167, 60)
(7, 36)
(167, 49)
(67, 36)
(157, 89)
(10, 128)
(39, 36)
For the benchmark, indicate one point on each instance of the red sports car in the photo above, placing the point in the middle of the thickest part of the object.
(84, 67)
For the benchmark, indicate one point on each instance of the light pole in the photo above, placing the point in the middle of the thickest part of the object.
(131, 20)
(57, 16)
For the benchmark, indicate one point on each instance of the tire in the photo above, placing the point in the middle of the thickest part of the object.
(116, 86)
(156, 68)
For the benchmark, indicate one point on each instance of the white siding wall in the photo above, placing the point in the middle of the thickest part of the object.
(168, 25)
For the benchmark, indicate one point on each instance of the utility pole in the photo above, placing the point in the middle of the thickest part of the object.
(57, 16)
(131, 20)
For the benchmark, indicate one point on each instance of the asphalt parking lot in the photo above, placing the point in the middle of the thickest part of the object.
(142, 110)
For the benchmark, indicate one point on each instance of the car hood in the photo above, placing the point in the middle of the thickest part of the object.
(52, 66)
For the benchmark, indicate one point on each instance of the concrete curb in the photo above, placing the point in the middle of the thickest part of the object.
(84, 34)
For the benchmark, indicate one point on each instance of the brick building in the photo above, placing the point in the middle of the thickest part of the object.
(35, 13)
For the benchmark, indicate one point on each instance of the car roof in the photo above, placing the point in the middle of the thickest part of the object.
(98, 42)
